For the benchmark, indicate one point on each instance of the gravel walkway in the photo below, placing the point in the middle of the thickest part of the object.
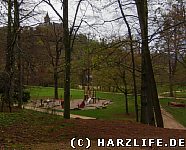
(170, 122)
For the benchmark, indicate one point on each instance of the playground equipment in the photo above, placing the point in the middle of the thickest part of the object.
(89, 96)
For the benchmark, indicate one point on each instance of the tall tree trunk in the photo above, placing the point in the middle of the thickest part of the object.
(55, 83)
(9, 59)
(18, 50)
(173, 63)
(170, 71)
(150, 107)
(147, 114)
(133, 61)
(125, 93)
(67, 61)
(2, 103)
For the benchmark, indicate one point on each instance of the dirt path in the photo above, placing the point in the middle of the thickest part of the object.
(53, 111)
(170, 122)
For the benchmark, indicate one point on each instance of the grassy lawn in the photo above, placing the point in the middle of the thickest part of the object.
(26, 126)
(28, 117)
(181, 94)
(165, 88)
(37, 92)
(178, 113)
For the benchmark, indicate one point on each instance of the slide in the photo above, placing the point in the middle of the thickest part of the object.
(88, 101)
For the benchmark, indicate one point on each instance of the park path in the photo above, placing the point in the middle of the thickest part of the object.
(170, 122)
(53, 111)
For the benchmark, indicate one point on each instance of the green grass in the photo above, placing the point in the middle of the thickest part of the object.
(165, 88)
(178, 113)
(28, 116)
(181, 94)
(37, 92)
(29, 124)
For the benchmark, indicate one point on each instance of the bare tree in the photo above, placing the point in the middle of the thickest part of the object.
(10, 60)
(52, 37)
(68, 41)
(132, 56)
(172, 38)
(18, 50)
(13, 51)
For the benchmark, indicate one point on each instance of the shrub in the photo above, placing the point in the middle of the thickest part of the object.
(26, 96)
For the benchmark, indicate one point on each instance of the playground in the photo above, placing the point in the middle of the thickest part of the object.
(77, 104)
(89, 101)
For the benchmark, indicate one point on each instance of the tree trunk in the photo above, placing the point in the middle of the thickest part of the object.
(170, 71)
(126, 103)
(67, 61)
(18, 50)
(173, 64)
(9, 59)
(2, 103)
(133, 61)
(55, 84)
(150, 107)
(147, 115)
(125, 93)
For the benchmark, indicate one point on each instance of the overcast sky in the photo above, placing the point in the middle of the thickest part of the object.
(97, 13)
